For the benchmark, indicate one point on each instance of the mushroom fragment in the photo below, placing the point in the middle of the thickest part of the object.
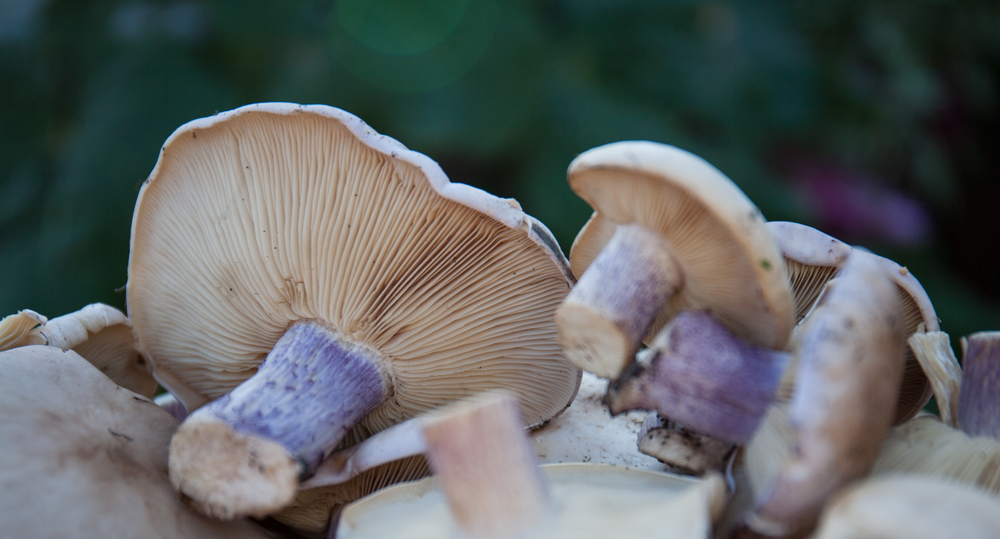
(813, 258)
(933, 351)
(681, 449)
(850, 360)
(979, 401)
(910, 507)
(84, 458)
(14, 328)
(669, 233)
(100, 333)
(315, 277)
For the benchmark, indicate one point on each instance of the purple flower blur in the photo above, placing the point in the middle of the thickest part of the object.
(853, 206)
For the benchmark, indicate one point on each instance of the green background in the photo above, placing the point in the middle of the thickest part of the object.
(839, 114)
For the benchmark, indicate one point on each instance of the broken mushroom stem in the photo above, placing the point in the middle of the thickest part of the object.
(276, 427)
(599, 322)
(700, 374)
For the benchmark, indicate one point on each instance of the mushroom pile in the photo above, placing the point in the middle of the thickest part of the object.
(332, 320)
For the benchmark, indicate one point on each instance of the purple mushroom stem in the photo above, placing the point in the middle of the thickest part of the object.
(700, 374)
(310, 390)
(979, 400)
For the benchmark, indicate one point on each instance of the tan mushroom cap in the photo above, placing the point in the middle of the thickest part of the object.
(911, 507)
(84, 458)
(729, 262)
(814, 258)
(272, 213)
(98, 332)
(591, 500)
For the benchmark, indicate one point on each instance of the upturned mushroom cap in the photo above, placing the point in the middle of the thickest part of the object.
(84, 458)
(268, 214)
(813, 258)
(100, 333)
(728, 260)
(910, 507)
(592, 500)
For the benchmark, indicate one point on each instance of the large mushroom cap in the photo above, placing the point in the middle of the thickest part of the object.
(729, 262)
(85, 458)
(268, 214)
(591, 500)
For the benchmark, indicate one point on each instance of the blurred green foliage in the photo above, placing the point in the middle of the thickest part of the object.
(896, 95)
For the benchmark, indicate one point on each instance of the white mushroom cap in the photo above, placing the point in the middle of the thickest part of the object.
(592, 500)
(98, 332)
(910, 507)
(273, 213)
(84, 458)
(728, 259)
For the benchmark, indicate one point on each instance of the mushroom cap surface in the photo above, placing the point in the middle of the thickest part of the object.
(591, 500)
(85, 458)
(730, 263)
(910, 507)
(271, 213)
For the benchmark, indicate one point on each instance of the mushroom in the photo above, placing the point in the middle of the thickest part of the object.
(486, 486)
(100, 333)
(84, 458)
(313, 277)
(937, 360)
(979, 400)
(15, 327)
(813, 258)
(969, 454)
(910, 507)
(850, 360)
(669, 233)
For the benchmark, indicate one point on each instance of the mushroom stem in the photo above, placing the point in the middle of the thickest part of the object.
(602, 321)
(979, 399)
(243, 454)
(701, 375)
(486, 469)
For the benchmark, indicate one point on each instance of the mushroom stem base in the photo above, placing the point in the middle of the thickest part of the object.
(602, 321)
(278, 425)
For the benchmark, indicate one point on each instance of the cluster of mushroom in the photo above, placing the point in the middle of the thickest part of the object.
(330, 316)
